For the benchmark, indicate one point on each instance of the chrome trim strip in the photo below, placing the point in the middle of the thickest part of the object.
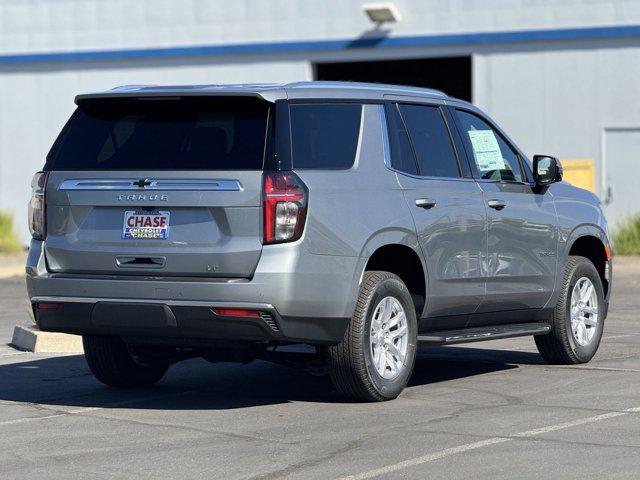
(163, 301)
(154, 184)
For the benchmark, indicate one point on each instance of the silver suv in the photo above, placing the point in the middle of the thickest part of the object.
(229, 222)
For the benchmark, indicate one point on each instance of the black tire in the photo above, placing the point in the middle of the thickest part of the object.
(111, 361)
(350, 362)
(560, 346)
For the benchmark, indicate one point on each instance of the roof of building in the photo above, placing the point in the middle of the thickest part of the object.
(273, 91)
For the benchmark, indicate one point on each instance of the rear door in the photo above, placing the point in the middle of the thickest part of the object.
(158, 186)
(446, 206)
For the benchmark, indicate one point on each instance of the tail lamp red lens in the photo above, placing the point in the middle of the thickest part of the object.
(234, 312)
(285, 206)
(47, 306)
(37, 219)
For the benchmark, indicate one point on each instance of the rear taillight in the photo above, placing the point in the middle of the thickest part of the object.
(285, 206)
(47, 306)
(37, 224)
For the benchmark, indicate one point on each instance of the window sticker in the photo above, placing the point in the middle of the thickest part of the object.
(486, 150)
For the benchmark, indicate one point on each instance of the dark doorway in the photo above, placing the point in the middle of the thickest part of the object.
(452, 75)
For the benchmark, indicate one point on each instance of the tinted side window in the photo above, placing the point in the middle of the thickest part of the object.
(493, 157)
(325, 136)
(431, 141)
(402, 158)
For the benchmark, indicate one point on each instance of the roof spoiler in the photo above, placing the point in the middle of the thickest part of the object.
(268, 95)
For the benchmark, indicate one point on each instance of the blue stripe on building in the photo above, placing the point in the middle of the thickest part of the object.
(461, 39)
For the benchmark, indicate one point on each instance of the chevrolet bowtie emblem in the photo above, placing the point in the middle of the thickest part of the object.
(142, 183)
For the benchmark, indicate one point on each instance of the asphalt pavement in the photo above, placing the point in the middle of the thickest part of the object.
(487, 410)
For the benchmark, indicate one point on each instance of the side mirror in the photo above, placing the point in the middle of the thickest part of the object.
(546, 170)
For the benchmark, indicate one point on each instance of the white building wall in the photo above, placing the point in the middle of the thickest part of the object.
(557, 101)
(63, 25)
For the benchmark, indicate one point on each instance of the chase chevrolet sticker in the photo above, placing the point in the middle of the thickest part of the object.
(145, 225)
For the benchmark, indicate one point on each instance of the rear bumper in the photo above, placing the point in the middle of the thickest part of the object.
(307, 298)
(180, 323)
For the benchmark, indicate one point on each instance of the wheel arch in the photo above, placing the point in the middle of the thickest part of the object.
(591, 242)
(403, 258)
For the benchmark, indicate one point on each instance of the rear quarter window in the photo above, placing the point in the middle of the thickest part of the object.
(325, 136)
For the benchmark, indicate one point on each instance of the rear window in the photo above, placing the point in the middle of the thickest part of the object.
(163, 134)
(325, 136)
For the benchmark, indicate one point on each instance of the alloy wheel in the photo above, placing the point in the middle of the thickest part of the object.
(389, 338)
(584, 311)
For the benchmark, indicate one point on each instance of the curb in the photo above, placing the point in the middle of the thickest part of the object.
(33, 340)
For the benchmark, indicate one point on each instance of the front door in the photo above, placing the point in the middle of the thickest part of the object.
(522, 223)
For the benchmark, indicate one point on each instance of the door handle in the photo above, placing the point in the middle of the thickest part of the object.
(497, 204)
(425, 203)
(140, 262)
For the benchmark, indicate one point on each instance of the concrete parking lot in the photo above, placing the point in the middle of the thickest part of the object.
(489, 410)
